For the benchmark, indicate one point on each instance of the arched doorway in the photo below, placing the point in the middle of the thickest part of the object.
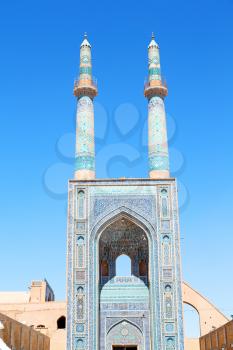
(132, 337)
(123, 242)
(124, 287)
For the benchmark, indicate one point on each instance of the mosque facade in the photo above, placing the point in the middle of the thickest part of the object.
(136, 217)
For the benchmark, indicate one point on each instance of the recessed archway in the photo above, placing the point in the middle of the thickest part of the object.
(97, 234)
(123, 251)
(124, 254)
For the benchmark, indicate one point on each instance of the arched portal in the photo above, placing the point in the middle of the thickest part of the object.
(123, 237)
(132, 337)
(124, 295)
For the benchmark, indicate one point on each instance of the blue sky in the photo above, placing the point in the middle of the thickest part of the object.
(39, 61)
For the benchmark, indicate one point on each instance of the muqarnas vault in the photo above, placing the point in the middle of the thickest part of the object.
(136, 217)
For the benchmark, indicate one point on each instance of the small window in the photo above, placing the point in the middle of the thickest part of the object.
(61, 322)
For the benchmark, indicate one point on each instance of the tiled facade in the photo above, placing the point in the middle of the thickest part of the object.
(135, 217)
(151, 205)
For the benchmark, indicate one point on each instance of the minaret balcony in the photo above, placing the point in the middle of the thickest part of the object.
(155, 88)
(85, 87)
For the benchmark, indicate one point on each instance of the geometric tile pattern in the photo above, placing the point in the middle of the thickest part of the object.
(95, 324)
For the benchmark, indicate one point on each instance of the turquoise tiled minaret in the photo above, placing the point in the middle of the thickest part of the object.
(155, 91)
(85, 90)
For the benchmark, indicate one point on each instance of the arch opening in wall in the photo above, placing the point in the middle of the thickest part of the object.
(61, 322)
(123, 266)
(123, 251)
(125, 232)
(191, 322)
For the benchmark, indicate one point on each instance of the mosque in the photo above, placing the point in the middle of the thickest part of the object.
(108, 219)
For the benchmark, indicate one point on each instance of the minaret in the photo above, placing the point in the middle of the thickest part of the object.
(85, 90)
(155, 91)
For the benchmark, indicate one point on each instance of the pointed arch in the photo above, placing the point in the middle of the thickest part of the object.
(124, 320)
(153, 263)
(127, 213)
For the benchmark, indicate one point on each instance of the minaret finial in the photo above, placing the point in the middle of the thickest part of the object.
(85, 40)
(153, 42)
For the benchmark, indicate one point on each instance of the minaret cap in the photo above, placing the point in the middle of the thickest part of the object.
(85, 41)
(153, 42)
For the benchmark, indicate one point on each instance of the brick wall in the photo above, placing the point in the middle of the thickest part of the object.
(18, 336)
(219, 339)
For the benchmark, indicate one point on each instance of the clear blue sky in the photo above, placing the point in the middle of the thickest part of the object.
(39, 60)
